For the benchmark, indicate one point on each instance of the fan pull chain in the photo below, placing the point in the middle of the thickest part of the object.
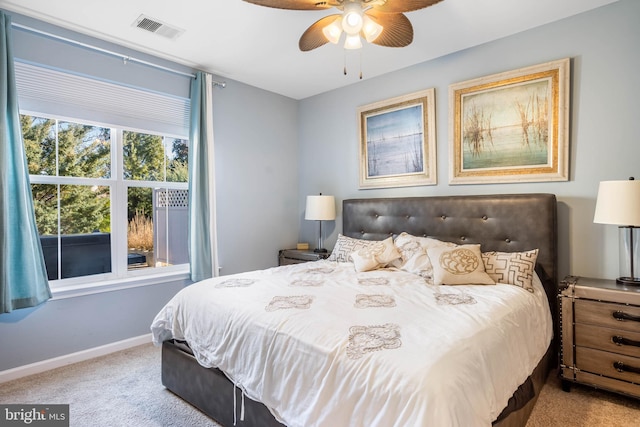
(345, 61)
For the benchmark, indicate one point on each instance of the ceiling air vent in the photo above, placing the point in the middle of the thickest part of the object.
(157, 27)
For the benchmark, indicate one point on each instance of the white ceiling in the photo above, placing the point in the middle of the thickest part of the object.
(259, 46)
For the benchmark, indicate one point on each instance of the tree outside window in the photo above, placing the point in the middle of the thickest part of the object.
(70, 165)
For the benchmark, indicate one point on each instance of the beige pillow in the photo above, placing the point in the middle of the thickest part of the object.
(346, 245)
(414, 254)
(512, 268)
(459, 265)
(376, 256)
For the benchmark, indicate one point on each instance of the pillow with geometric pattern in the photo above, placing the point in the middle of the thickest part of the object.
(346, 245)
(512, 268)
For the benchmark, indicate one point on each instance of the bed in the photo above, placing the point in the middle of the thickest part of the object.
(363, 360)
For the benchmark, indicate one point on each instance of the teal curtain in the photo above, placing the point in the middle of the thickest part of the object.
(23, 276)
(202, 241)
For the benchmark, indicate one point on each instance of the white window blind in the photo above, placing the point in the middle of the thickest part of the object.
(48, 91)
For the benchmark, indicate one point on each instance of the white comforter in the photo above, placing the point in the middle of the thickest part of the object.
(322, 345)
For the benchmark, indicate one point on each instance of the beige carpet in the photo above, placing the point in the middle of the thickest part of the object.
(124, 389)
(582, 407)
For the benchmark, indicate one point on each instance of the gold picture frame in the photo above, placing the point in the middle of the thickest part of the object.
(511, 126)
(398, 141)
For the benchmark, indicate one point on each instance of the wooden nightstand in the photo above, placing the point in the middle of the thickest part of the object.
(600, 327)
(295, 256)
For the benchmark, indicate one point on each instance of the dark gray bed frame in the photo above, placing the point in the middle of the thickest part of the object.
(507, 223)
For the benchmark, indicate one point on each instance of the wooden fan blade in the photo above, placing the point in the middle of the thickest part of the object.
(399, 6)
(294, 4)
(313, 37)
(397, 29)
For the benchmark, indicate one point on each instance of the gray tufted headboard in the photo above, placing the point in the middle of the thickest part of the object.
(506, 223)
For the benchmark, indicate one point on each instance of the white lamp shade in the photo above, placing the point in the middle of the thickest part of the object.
(371, 29)
(618, 203)
(352, 42)
(333, 31)
(320, 208)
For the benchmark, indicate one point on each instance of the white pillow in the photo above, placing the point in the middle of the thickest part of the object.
(512, 268)
(459, 265)
(376, 256)
(414, 254)
(346, 245)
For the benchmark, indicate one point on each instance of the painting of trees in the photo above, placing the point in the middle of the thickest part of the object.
(511, 126)
(477, 130)
(506, 126)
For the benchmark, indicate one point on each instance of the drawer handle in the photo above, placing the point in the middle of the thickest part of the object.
(617, 339)
(621, 367)
(621, 315)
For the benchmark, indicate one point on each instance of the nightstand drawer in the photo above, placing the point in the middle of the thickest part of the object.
(607, 339)
(600, 343)
(607, 383)
(618, 316)
(605, 363)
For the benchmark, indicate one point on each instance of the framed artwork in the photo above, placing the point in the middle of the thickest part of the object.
(398, 141)
(511, 127)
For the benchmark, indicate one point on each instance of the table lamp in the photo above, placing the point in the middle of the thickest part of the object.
(618, 203)
(320, 208)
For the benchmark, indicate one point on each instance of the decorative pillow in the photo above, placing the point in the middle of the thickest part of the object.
(459, 265)
(512, 268)
(414, 254)
(378, 255)
(346, 245)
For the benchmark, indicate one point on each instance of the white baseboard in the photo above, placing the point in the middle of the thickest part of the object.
(68, 359)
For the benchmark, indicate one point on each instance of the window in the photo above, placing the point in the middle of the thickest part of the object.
(109, 202)
(155, 170)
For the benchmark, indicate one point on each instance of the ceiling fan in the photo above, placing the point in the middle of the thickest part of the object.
(381, 22)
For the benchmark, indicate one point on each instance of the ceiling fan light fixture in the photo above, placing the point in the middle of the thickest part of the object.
(371, 29)
(380, 22)
(352, 18)
(352, 42)
(333, 31)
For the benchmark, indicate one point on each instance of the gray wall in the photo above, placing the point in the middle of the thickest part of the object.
(605, 59)
(256, 153)
(66, 326)
(256, 184)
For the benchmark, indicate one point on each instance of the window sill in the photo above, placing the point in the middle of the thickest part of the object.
(82, 289)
